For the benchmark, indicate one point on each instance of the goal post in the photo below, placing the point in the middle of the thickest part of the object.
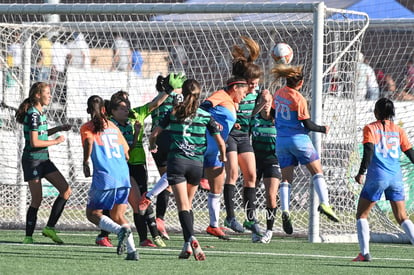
(326, 41)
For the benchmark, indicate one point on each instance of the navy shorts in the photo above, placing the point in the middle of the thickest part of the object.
(268, 169)
(163, 143)
(239, 143)
(184, 170)
(37, 169)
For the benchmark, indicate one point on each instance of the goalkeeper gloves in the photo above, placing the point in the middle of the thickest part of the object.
(160, 86)
(176, 80)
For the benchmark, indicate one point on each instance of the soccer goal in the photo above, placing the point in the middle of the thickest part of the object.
(196, 39)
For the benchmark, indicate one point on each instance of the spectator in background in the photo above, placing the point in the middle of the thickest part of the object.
(137, 62)
(409, 86)
(367, 85)
(14, 58)
(386, 84)
(79, 51)
(44, 61)
(177, 60)
(122, 54)
(60, 56)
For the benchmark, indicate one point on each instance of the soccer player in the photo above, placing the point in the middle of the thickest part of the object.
(263, 133)
(293, 144)
(104, 143)
(130, 122)
(383, 142)
(35, 160)
(222, 105)
(161, 189)
(188, 125)
(239, 148)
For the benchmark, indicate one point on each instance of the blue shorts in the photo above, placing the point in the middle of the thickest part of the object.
(212, 153)
(295, 149)
(106, 199)
(393, 190)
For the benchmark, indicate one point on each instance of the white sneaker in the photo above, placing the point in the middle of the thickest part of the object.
(267, 237)
(255, 238)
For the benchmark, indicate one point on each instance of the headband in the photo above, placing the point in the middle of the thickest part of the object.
(237, 82)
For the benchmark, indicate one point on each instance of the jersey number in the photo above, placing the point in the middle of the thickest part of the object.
(283, 110)
(383, 149)
(112, 148)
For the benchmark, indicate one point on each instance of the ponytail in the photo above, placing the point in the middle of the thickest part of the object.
(32, 100)
(95, 106)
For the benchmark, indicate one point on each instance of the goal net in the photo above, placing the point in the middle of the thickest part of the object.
(196, 39)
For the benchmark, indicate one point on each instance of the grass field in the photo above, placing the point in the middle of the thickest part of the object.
(79, 255)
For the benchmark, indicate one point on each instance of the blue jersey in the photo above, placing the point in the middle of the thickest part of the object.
(110, 168)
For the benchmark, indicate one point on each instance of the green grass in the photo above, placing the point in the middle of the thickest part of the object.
(79, 255)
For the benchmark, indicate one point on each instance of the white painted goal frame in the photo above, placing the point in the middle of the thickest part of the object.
(324, 40)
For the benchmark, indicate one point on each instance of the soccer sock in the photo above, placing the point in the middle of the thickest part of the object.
(109, 225)
(320, 187)
(31, 219)
(162, 203)
(408, 227)
(249, 197)
(284, 193)
(228, 193)
(139, 221)
(270, 218)
(150, 221)
(186, 224)
(213, 203)
(363, 235)
(192, 216)
(103, 232)
(130, 244)
(160, 186)
(56, 212)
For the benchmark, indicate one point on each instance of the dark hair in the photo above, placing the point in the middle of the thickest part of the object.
(116, 100)
(243, 65)
(95, 106)
(36, 88)
(191, 91)
(293, 74)
(384, 109)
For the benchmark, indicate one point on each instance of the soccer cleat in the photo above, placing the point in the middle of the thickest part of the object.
(204, 184)
(256, 238)
(159, 242)
(51, 233)
(147, 243)
(122, 238)
(267, 237)
(143, 203)
(132, 256)
(103, 241)
(253, 226)
(197, 251)
(362, 258)
(327, 211)
(287, 223)
(216, 231)
(186, 252)
(234, 225)
(28, 240)
(161, 228)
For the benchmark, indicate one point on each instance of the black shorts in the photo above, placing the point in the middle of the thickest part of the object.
(34, 169)
(140, 174)
(239, 143)
(180, 170)
(268, 169)
(163, 143)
